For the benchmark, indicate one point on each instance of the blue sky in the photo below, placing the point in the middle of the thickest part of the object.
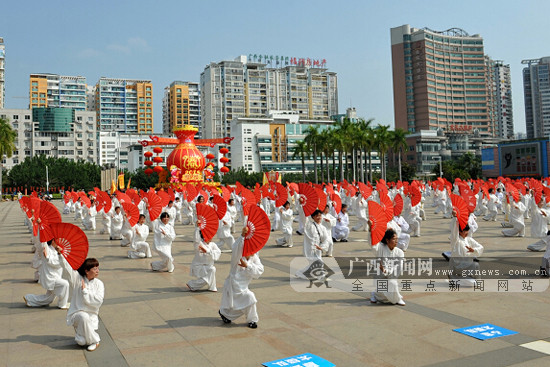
(174, 40)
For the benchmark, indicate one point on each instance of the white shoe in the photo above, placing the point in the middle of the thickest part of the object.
(92, 347)
(401, 303)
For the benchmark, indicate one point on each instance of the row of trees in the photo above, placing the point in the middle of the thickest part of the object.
(354, 142)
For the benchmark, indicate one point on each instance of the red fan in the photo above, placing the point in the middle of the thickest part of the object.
(171, 194)
(191, 192)
(521, 188)
(537, 187)
(546, 191)
(164, 198)
(365, 190)
(257, 194)
(219, 205)
(387, 204)
(132, 213)
(471, 202)
(73, 241)
(512, 190)
(86, 202)
(322, 199)
(105, 200)
(48, 215)
(134, 197)
(308, 198)
(352, 191)
(24, 202)
(154, 206)
(248, 200)
(281, 194)
(74, 196)
(122, 197)
(337, 202)
(397, 205)
(461, 208)
(226, 193)
(259, 228)
(416, 195)
(207, 221)
(379, 222)
(67, 197)
(293, 186)
(240, 187)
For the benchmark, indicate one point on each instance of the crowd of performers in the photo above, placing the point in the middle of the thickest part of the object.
(327, 224)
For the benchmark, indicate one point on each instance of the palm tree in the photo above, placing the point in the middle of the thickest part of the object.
(7, 144)
(312, 139)
(363, 144)
(398, 144)
(382, 142)
(301, 150)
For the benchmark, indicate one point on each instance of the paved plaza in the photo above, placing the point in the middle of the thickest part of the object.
(151, 319)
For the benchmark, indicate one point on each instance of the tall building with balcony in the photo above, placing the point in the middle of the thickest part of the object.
(536, 89)
(124, 105)
(241, 88)
(52, 90)
(181, 106)
(440, 81)
(2, 77)
(499, 97)
(52, 131)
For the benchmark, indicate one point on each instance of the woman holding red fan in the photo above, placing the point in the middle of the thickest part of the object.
(164, 235)
(87, 298)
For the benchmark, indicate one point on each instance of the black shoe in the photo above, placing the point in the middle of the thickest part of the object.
(445, 256)
(334, 239)
(298, 232)
(343, 240)
(272, 230)
(224, 319)
(252, 325)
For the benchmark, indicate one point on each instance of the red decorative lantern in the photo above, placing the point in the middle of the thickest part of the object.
(224, 150)
(158, 169)
(157, 150)
(148, 154)
(148, 163)
(210, 156)
(186, 156)
(148, 171)
(224, 160)
(224, 169)
(157, 159)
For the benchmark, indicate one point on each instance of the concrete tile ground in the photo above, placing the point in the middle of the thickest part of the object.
(151, 319)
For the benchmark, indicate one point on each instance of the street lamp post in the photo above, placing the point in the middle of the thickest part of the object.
(438, 158)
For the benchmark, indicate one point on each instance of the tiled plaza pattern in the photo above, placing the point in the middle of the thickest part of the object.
(150, 319)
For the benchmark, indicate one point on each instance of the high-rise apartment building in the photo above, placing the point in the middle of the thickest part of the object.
(52, 90)
(239, 88)
(536, 89)
(181, 106)
(499, 87)
(124, 105)
(2, 77)
(440, 81)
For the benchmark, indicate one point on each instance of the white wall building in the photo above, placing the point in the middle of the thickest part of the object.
(2, 77)
(76, 142)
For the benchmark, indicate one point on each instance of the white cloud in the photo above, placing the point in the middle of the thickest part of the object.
(132, 44)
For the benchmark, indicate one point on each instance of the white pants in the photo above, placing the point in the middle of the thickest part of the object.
(227, 241)
(209, 280)
(340, 233)
(250, 313)
(141, 250)
(537, 246)
(285, 241)
(85, 326)
(166, 261)
(518, 230)
(403, 241)
(61, 290)
(361, 226)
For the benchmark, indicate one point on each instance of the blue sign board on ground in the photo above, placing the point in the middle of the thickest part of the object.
(301, 360)
(485, 331)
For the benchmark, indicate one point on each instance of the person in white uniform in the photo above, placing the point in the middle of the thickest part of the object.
(463, 251)
(287, 217)
(117, 220)
(224, 233)
(140, 247)
(87, 297)
(341, 229)
(163, 236)
(237, 298)
(50, 277)
(328, 221)
(517, 220)
(202, 266)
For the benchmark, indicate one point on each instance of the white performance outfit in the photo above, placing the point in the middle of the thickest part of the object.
(163, 236)
(224, 232)
(116, 225)
(202, 266)
(314, 235)
(399, 225)
(329, 222)
(140, 247)
(237, 299)
(361, 212)
(287, 218)
(492, 210)
(89, 218)
(392, 261)
(172, 212)
(50, 277)
(341, 229)
(539, 226)
(85, 303)
(516, 220)
(106, 221)
(461, 260)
